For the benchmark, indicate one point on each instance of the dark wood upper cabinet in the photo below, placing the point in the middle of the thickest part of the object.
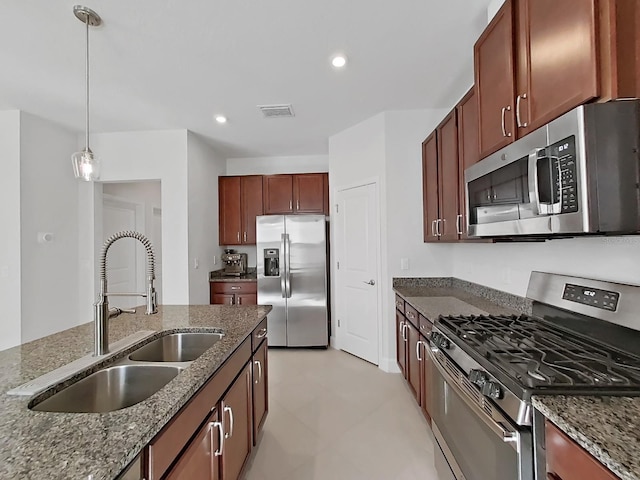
(495, 82)
(240, 201)
(468, 153)
(448, 193)
(229, 200)
(278, 194)
(251, 188)
(430, 196)
(308, 193)
(303, 193)
(557, 65)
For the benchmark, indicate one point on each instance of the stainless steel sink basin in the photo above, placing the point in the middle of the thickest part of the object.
(176, 347)
(111, 389)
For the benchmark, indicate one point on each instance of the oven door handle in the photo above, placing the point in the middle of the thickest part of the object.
(498, 427)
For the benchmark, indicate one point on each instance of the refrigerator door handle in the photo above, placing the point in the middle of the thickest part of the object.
(288, 264)
(283, 267)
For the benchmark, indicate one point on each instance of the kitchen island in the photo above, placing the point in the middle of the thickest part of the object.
(38, 445)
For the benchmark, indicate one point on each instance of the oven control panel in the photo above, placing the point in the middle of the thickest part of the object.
(594, 297)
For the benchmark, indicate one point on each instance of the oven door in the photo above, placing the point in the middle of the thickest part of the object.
(477, 440)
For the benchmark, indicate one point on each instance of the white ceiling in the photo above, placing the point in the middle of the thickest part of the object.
(166, 64)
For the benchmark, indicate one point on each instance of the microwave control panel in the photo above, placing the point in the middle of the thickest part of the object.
(564, 152)
(593, 297)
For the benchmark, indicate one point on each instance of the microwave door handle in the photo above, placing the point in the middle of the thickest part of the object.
(534, 196)
(283, 267)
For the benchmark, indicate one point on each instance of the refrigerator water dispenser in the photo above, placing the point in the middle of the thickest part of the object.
(271, 262)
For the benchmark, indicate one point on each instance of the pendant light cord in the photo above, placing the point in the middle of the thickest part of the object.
(87, 78)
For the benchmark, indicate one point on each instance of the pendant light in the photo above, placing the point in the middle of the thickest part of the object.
(86, 165)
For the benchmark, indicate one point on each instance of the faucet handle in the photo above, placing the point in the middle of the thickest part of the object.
(115, 311)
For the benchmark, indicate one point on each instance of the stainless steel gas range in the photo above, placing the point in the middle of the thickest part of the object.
(582, 338)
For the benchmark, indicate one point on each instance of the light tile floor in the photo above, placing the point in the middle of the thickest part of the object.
(333, 416)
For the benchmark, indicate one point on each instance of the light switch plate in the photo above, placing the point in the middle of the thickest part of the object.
(404, 264)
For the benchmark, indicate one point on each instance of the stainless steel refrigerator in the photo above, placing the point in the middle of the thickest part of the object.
(292, 276)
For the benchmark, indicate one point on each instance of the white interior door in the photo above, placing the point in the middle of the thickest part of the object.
(357, 238)
(121, 261)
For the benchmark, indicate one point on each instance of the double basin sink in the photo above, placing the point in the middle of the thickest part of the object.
(132, 379)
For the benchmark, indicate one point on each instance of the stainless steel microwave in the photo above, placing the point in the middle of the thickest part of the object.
(579, 174)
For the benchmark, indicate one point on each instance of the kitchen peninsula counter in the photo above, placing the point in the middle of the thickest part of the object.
(606, 427)
(97, 446)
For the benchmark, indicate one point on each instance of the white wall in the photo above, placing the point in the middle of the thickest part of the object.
(10, 282)
(127, 156)
(48, 202)
(493, 8)
(204, 167)
(275, 165)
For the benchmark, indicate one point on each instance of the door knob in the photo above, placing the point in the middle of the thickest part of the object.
(370, 282)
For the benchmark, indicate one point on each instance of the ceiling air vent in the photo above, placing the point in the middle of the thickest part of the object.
(276, 111)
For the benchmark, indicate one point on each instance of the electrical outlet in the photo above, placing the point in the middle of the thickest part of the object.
(196, 263)
(215, 260)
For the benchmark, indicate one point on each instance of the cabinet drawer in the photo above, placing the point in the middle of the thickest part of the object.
(411, 314)
(166, 446)
(234, 287)
(399, 303)
(566, 460)
(258, 335)
(425, 326)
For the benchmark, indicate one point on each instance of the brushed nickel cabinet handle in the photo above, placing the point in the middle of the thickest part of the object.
(262, 333)
(245, 237)
(459, 224)
(291, 205)
(297, 204)
(418, 350)
(504, 127)
(433, 228)
(518, 100)
(259, 365)
(227, 408)
(238, 237)
(239, 300)
(235, 288)
(217, 425)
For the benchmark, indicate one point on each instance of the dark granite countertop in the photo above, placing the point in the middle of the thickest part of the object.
(219, 276)
(436, 296)
(39, 445)
(607, 427)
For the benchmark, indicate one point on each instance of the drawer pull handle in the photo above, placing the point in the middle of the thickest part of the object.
(261, 333)
(236, 288)
(217, 425)
(227, 408)
(259, 365)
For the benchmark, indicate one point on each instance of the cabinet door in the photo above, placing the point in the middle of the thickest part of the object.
(222, 299)
(467, 150)
(308, 193)
(430, 187)
(425, 381)
(557, 63)
(235, 410)
(229, 210)
(413, 364)
(260, 389)
(495, 82)
(448, 178)
(199, 461)
(277, 194)
(251, 188)
(401, 343)
(246, 299)
(566, 460)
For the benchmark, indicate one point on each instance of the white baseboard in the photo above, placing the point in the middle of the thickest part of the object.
(389, 365)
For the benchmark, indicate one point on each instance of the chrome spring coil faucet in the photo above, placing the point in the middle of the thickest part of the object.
(101, 313)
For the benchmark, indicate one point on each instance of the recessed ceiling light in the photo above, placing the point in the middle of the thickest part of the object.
(339, 61)
(221, 119)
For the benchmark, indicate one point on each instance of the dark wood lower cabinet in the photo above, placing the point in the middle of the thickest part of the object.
(200, 459)
(413, 363)
(226, 414)
(235, 409)
(260, 389)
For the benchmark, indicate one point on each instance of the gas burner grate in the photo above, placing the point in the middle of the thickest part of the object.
(538, 354)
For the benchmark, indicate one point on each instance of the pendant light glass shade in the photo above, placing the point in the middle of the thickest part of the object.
(86, 166)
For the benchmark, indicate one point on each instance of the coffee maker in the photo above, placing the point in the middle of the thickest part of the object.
(235, 264)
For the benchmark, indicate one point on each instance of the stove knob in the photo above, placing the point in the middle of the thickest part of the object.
(444, 343)
(492, 390)
(478, 377)
(434, 337)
